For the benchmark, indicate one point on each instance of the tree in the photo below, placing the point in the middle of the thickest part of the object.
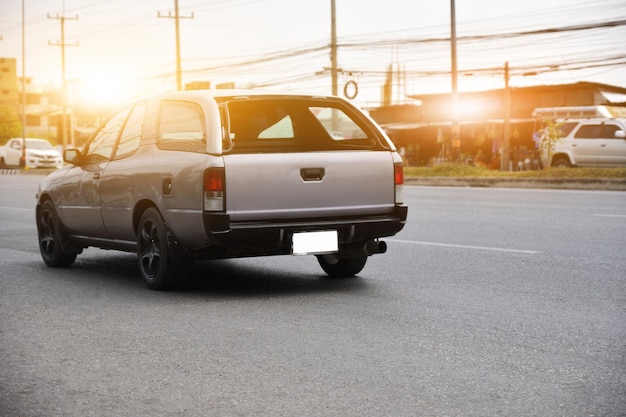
(10, 126)
(548, 137)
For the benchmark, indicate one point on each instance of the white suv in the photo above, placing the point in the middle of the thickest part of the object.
(597, 142)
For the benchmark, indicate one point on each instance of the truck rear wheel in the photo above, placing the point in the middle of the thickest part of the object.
(153, 253)
(342, 268)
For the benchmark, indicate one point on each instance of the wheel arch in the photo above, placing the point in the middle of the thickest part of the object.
(140, 209)
(42, 198)
(566, 155)
(68, 245)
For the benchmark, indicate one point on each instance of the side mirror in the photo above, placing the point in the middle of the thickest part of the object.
(72, 156)
(620, 134)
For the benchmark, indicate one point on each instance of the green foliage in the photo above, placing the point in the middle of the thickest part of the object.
(448, 170)
(10, 126)
(463, 170)
(549, 135)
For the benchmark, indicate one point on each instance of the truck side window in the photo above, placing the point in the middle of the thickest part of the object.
(131, 135)
(181, 127)
(101, 146)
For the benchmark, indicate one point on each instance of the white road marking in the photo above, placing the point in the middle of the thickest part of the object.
(452, 245)
(610, 215)
(17, 209)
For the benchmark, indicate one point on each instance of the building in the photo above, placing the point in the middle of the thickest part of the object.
(42, 109)
(9, 96)
(422, 130)
(9, 93)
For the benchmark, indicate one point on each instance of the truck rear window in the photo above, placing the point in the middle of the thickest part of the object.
(296, 125)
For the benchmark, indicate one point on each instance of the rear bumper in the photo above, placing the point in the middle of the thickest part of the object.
(254, 238)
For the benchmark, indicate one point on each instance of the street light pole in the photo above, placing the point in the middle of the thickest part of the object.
(506, 148)
(179, 82)
(23, 158)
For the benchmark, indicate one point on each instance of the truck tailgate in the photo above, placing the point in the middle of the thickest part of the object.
(303, 185)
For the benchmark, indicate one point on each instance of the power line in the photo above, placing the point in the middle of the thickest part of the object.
(281, 55)
(572, 28)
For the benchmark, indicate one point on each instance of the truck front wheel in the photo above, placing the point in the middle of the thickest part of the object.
(341, 268)
(50, 238)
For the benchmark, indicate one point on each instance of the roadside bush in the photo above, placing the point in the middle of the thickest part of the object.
(462, 170)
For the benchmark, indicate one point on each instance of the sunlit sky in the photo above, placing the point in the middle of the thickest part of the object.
(125, 49)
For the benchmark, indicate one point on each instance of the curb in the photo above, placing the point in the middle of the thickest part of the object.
(9, 171)
(22, 171)
(600, 184)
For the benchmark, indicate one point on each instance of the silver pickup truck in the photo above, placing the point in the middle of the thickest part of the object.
(212, 174)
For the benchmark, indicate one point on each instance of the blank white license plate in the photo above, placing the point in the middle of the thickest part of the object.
(314, 243)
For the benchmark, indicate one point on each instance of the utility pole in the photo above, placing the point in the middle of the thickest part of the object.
(177, 17)
(333, 48)
(456, 130)
(62, 44)
(506, 148)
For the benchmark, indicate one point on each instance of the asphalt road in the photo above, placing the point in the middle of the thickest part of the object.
(491, 302)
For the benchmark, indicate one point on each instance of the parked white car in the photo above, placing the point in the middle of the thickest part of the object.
(39, 154)
(594, 142)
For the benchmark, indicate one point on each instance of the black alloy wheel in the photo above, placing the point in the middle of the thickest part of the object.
(153, 252)
(50, 237)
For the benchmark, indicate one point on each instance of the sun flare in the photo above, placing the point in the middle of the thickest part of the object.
(102, 91)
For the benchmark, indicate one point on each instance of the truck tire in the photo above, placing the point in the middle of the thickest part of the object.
(561, 162)
(153, 253)
(50, 238)
(343, 268)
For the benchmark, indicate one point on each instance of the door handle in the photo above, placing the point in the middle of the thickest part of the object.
(96, 176)
(312, 174)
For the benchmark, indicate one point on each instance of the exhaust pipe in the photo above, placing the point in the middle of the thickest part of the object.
(368, 248)
(374, 246)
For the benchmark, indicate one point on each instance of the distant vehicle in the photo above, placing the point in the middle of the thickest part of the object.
(39, 154)
(212, 174)
(592, 137)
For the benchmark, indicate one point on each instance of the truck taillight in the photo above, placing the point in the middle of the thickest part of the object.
(398, 173)
(213, 186)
